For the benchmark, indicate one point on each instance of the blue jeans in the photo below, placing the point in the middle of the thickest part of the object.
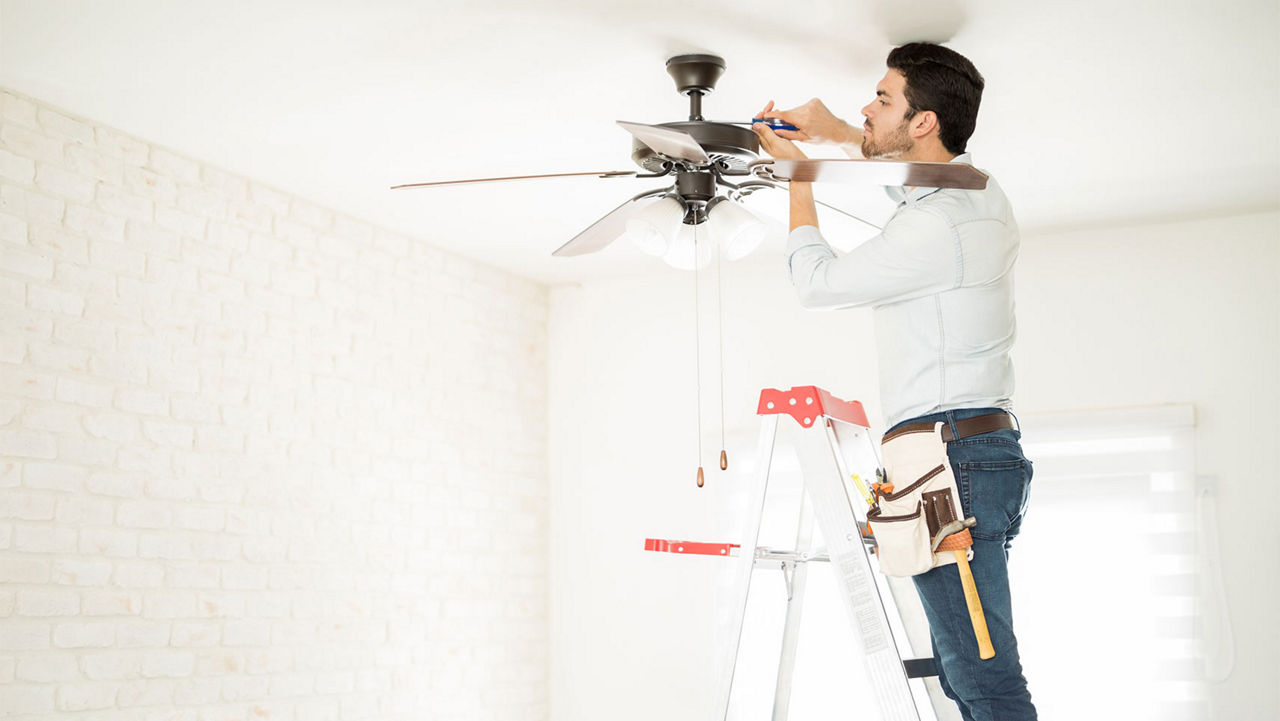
(994, 480)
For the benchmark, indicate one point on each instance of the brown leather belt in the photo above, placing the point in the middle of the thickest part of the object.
(965, 428)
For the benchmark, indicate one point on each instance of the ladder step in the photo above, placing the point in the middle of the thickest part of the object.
(920, 667)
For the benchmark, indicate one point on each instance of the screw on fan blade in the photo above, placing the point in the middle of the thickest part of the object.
(879, 172)
(604, 231)
(675, 144)
(600, 174)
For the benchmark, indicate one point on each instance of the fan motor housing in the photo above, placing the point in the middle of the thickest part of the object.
(731, 148)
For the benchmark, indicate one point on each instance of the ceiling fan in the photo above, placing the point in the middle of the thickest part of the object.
(714, 165)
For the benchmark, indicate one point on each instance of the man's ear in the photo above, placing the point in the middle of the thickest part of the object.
(924, 123)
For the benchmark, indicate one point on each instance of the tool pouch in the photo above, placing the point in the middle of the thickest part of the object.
(924, 498)
(902, 541)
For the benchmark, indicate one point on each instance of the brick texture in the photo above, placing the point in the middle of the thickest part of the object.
(258, 460)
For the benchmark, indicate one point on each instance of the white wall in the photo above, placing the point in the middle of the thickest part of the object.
(1177, 312)
(256, 457)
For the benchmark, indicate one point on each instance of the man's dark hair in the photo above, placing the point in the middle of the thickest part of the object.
(944, 81)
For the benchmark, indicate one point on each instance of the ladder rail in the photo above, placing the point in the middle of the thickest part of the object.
(868, 616)
(795, 610)
(902, 639)
(746, 561)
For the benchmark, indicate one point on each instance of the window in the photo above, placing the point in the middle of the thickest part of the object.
(1105, 571)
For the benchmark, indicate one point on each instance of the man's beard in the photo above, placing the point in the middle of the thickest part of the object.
(898, 142)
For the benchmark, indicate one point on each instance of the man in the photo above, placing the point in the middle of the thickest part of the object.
(939, 280)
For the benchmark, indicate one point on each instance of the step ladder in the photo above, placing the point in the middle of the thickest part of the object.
(838, 459)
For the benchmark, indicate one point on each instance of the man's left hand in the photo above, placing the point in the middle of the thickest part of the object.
(776, 145)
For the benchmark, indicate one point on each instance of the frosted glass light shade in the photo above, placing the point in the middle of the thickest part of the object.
(683, 255)
(738, 229)
(653, 227)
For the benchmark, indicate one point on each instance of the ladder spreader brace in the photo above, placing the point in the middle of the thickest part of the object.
(827, 430)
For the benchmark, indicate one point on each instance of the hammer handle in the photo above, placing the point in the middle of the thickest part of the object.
(979, 619)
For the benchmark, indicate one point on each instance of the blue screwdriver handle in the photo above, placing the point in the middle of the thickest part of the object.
(774, 123)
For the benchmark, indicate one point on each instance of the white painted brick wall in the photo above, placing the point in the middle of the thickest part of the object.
(258, 460)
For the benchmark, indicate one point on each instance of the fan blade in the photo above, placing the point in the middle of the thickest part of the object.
(605, 230)
(602, 174)
(841, 211)
(671, 143)
(881, 172)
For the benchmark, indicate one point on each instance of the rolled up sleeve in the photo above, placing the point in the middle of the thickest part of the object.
(915, 255)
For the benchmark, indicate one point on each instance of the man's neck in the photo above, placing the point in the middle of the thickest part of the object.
(928, 155)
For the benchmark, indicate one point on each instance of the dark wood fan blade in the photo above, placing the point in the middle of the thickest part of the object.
(881, 172)
(602, 174)
(671, 143)
(604, 231)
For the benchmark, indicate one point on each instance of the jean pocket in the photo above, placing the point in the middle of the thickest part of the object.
(902, 542)
(995, 493)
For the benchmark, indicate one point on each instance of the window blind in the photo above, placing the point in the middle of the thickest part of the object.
(1104, 573)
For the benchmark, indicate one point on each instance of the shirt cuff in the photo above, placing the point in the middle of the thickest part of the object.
(806, 238)
(802, 236)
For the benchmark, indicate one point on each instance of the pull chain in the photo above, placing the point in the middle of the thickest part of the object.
(724, 457)
(697, 348)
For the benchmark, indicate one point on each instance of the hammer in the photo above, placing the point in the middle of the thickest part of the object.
(960, 549)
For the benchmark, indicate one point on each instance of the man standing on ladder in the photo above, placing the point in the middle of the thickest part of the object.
(939, 278)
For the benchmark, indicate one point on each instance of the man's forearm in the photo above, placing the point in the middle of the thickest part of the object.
(803, 210)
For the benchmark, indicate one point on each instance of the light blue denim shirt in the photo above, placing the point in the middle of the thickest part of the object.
(939, 278)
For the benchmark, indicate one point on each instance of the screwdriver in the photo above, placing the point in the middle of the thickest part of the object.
(774, 123)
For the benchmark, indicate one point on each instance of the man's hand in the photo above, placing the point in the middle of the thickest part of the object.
(776, 146)
(803, 210)
(814, 123)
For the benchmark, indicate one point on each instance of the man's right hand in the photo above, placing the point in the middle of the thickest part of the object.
(815, 124)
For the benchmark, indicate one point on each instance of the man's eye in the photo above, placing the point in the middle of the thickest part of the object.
(884, 103)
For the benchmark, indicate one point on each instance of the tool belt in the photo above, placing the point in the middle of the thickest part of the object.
(918, 496)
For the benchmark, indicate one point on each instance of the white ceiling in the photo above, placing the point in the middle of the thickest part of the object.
(1096, 111)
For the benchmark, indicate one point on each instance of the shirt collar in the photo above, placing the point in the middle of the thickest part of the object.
(905, 194)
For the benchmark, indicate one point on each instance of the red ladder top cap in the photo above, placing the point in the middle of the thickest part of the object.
(807, 403)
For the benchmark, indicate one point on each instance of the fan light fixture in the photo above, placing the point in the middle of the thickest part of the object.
(740, 231)
(661, 229)
(691, 249)
(653, 227)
